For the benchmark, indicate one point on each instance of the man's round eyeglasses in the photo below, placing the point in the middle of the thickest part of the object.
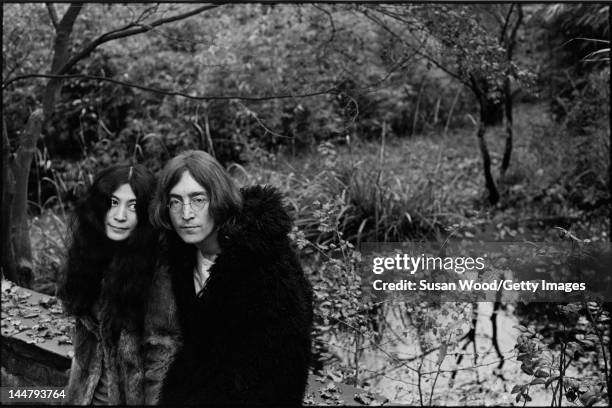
(197, 204)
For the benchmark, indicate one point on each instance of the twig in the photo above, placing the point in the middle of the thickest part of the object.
(419, 383)
(440, 361)
(506, 22)
(331, 91)
(129, 31)
(601, 343)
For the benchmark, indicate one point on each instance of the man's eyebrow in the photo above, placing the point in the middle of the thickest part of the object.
(194, 194)
(198, 193)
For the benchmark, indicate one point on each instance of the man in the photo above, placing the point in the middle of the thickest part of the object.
(230, 314)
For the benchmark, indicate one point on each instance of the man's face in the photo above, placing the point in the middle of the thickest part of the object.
(188, 208)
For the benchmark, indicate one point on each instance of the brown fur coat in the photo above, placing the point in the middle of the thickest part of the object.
(163, 337)
(93, 345)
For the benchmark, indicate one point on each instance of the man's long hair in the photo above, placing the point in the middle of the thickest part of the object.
(225, 197)
(119, 272)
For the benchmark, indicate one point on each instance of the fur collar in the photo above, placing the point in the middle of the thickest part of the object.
(260, 228)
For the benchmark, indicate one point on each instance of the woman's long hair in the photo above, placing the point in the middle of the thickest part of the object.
(119, 272)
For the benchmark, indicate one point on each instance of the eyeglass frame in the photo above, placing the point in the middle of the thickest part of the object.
(205, 200)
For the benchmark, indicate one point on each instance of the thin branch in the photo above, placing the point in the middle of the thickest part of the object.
(53, 15)
(601, 343)
(502, 36)
(418, 51)
(388, 12)
(331, 91)
(149, 11)
(331, 23)
(259, 121)
(519, 20)
(128, 31)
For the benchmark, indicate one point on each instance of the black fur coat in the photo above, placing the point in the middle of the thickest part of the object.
(246, 338)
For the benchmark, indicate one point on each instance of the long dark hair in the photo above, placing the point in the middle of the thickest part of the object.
(225, 197)
(119, 271)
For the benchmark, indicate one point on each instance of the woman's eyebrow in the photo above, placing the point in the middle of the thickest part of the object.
(119, 198)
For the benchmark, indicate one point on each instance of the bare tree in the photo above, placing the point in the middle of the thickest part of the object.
(16, 251)
(468, 51)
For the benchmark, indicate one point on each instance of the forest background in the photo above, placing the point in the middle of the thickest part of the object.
(486, 122)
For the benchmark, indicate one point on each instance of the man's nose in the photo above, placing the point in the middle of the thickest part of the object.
(187, 211)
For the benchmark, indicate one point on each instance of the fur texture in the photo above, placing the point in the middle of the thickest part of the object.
(106, 286)
(163, 337)
(246, 338)
(95, 343)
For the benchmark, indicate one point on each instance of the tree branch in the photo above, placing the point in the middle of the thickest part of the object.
(512, 40)
(331, 91)
(331, 23)
(64, 29)
(53, 15)
(418, 50)
(502, 35)
(128, 31)
(60, 54)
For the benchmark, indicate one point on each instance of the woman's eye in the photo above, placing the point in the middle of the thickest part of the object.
(114, 202)
(132, 207)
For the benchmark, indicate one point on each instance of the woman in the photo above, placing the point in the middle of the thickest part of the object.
(108, 275)
(231, 311)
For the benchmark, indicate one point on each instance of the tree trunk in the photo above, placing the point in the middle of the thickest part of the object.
(486, 162)
(508, 103)
(509, 123)
(19, 209)
(20, 256)
(478, 90)
(61, 53)
(494, 112)
(9, 269)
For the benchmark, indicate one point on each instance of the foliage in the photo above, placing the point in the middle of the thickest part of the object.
(464, 41)
(573, 27)
(586, 340)
(272, 50)
(341, 158)
(571, 34)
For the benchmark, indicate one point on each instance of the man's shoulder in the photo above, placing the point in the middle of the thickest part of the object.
(260, 229)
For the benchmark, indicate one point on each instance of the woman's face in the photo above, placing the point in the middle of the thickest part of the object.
(121, 216)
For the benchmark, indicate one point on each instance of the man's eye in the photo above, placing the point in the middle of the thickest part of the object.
(174, 201)
(200, 200)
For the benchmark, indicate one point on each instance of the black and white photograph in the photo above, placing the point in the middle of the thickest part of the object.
(306, 204)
